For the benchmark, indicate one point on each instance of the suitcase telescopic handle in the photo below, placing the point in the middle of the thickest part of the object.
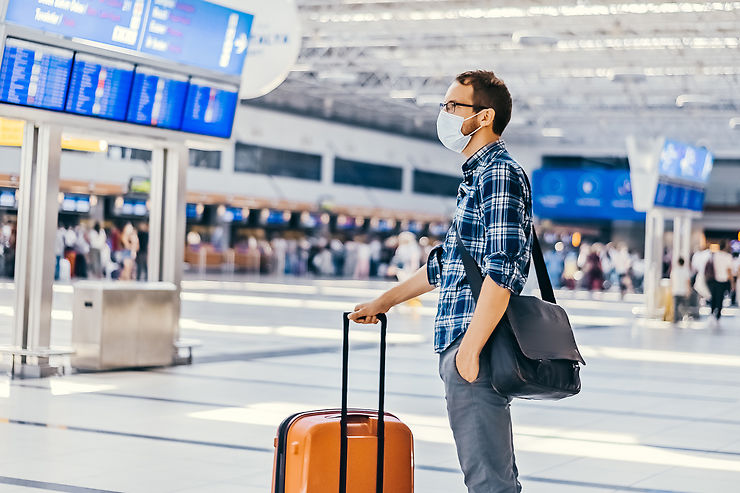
(381, 404)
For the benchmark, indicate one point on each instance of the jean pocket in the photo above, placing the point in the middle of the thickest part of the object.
(456, 372)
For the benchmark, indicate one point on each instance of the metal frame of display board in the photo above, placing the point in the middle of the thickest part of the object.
(39, 188)
(38, 215)
(654, 245)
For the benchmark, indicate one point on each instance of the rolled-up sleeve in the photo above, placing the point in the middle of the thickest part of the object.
(434, 266)
(503, 203)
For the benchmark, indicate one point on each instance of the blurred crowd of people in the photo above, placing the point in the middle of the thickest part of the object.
(711, 275)
(352, 257)
(595, 267)
(120, 252)
(94, 253)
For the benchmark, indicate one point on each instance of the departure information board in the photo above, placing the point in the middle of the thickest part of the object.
(47, 77)
(192, 32)
(210, 108)
(99, 87)
(157, 99)
(34, 75)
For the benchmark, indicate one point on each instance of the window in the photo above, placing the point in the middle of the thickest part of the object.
(128, 153)
(205, 159)
(436, 183)
(727, 162)
(585, 162)
(277, 162)
(367, 175)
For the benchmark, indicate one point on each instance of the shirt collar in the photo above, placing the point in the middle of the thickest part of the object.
(473, 161)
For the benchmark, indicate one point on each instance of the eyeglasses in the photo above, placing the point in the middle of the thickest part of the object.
(451, 106)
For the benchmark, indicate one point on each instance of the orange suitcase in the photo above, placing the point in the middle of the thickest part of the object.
(341, 450)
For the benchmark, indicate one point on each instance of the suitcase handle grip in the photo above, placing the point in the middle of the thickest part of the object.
(381, 404)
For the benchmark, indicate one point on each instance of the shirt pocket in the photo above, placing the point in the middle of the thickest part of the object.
(465, 194)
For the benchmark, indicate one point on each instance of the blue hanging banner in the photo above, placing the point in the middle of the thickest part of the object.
(563, 193)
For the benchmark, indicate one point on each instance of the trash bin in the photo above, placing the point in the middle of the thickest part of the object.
(117, 325)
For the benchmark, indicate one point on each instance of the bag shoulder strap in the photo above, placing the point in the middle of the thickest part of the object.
(475, 278)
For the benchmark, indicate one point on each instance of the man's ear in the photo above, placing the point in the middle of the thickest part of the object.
(487, 117)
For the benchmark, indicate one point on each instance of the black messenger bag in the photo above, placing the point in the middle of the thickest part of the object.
(533, 353)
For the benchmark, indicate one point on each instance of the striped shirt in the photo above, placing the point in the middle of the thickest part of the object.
(494, 216)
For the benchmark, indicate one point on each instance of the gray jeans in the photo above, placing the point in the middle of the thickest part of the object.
(481, 424)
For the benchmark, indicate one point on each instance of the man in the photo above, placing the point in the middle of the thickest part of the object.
(494, 217)
(735, 277)
(723, 281)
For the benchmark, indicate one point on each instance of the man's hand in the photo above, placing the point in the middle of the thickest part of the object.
(467, 363)
(366, 313)
(416, 285)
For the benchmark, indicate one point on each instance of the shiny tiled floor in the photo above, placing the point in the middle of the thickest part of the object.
(660, 409)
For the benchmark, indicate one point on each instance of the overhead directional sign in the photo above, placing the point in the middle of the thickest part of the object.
(192, 32)
(685, 162)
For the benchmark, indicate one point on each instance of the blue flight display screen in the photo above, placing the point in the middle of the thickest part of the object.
(157, 99)
(679, 197)
(34, 75)
(99, 87)
(210, 108)
(191, 32)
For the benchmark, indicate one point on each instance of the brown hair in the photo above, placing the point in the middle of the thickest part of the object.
(489, 92)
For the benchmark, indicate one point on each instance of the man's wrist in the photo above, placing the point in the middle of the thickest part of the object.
(385, 301)
(468, 348)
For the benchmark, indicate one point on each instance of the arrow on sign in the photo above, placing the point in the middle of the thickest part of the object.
(241, 44)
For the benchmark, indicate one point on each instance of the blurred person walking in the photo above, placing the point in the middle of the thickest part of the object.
(7, 250)
(593, 271)
(570, 270)
(555, 264)
(362, 265)
(494, 219)
(376, 250)
(681, 288)
(70, 240)
(130, 247)
(718, 272)
(97, 244)
(622, 267)
(407, 258)
(735, 276)
(350, 258)
(637, 271)
(142, 253)
(698, 266)
(82, 250)
(59, 249)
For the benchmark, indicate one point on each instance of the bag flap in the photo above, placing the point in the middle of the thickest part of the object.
(542, 329)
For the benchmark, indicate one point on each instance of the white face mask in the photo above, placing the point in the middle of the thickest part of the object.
(449, 131)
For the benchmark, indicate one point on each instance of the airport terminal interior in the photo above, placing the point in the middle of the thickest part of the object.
(193, 193)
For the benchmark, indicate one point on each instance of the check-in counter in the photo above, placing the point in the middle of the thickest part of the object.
(118, 325)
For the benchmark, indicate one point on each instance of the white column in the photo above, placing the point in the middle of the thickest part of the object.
(23, 235)
(654, 229)
(327, 167)
(407, 186)
(38, 211)
(173, 228)
(156, 215)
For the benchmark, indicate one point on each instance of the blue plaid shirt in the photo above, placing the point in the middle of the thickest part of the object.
(494, 216)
